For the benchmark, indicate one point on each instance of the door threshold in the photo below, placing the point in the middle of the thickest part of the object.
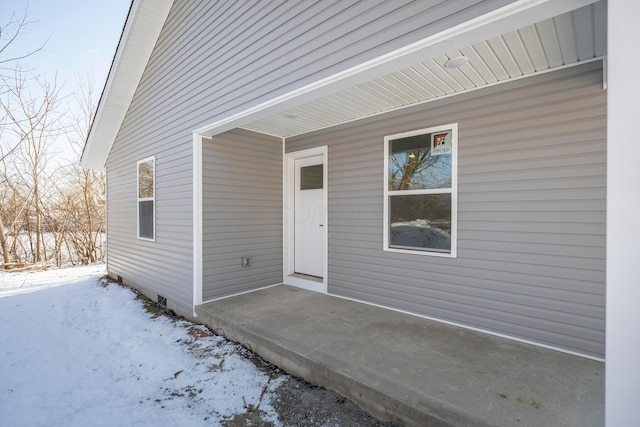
(310, 283)
(306, 277)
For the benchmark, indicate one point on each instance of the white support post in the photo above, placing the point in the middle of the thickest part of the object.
(623, 216)
(197, 221)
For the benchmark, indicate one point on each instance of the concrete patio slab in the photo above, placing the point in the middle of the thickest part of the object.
(408, 369)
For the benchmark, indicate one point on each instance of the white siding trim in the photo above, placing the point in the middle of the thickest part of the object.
(238, 294)
(325, 183)
(455, 94)
(285, 210)
(145, 21)
(623, 229)
(197, 222)
(508, 18)
(106, 217)
(471, 328)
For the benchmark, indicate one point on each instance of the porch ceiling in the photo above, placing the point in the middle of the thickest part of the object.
(570, 38)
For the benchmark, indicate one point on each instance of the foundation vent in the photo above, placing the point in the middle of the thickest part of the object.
(162, 301)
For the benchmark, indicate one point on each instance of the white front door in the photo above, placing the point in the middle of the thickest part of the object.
(309, 216)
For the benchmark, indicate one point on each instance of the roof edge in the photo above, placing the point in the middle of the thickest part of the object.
(507, 18)
(140, 33)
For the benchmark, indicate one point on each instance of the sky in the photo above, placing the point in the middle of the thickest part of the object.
(78, 40)
(80, 36)
(75, 353)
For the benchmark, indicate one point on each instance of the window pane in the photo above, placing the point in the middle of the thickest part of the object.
(145, 219)
(311, 177)
(145, 180)
(420, 222)
(414, 165)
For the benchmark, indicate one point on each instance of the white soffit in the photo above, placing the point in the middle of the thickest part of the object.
(557, 34)
(142, 28)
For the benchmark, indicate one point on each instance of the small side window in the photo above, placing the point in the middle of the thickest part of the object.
(147, 199)
(420, 191)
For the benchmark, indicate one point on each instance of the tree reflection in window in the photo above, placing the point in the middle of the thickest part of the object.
(145, 179)
(146, 199)
(413, 167)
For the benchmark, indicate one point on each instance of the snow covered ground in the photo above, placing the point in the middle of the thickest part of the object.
(76, 353)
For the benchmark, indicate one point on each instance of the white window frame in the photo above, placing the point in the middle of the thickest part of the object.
(145, 199)
(453, 191)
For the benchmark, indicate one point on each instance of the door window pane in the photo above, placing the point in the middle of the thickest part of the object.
(311, 177)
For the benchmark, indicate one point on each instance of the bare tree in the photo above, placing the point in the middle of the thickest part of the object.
(48, 213)
(88, 184)
(10, 57)
(14, 204)
(4, 243)
(33, 117)
(9, 34)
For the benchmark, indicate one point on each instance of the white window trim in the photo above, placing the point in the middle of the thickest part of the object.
(145, 199)
(454, 192)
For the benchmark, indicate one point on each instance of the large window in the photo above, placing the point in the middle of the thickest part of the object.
(420, 191)
(147, 199)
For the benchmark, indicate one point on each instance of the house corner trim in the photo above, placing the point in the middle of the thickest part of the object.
(197, 221)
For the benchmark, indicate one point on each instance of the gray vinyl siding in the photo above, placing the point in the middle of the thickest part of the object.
(214, 59)
(531, 212)
(164, 266)
(242, 212)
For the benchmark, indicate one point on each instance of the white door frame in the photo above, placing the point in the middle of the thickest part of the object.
(288, 273)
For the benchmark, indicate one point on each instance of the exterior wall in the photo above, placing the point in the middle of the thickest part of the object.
(238, 54)
(531, 212)
(213, 59)
(163, 267)
(242, 212)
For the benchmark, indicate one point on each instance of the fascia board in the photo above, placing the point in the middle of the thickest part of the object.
(509, 18)
(141, 31)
